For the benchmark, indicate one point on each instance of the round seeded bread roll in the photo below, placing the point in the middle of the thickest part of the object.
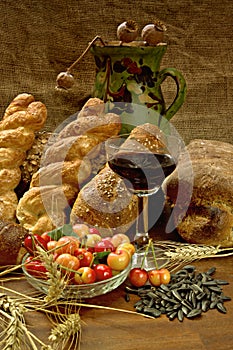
(106, 203)
(209, 215)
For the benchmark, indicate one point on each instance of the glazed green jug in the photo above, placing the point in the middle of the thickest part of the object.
(129, 78)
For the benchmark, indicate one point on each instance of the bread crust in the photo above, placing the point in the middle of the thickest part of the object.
(209, 218)
(12, 236)
(72, 173)
(66, 164)
(106, 203)
(21, 119)
(41, 209)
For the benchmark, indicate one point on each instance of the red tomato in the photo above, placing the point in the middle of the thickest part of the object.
(35, 268)
(138, 277)
(87, 274)
(32, 241)
(102, 271)
(158, 277)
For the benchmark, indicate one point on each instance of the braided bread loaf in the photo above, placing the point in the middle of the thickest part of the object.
(22, 118)
(66, 165)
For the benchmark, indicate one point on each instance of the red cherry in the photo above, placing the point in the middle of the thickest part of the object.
(138, 277)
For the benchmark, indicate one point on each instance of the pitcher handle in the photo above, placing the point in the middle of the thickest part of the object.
(180, 90)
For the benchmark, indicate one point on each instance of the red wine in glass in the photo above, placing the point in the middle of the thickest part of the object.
(146, 171)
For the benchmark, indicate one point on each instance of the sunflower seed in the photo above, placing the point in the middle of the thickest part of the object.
(194, 313)
(221, 282)
(211, 271)
(176, 294)
(187, 295)
(205, 305)
(172, 315)
(221, 308)
(180, 315)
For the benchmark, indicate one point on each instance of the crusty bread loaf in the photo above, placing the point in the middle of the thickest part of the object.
(43, 208)
(106, 203)
(149, 136)
(22, 118)
(11, 238)
(209, 218)
(66, 166)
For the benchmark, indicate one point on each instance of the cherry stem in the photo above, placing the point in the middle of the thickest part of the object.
(153, 253)
(145, 254)
(92, 260)
(85, 51)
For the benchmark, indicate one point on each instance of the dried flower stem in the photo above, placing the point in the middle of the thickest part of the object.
(69, 69)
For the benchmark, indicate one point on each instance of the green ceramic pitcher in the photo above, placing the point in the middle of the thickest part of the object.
(130, 75)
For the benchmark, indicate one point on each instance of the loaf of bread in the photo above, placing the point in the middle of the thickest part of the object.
(106, 203)
(147, 137)
(23, 117)
(209, 215)
(65, 167)
(12, 236)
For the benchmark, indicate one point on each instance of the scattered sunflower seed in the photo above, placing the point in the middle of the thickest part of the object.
(188, 294)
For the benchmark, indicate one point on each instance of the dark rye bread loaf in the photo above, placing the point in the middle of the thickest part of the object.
(209, 217)
(11, 238)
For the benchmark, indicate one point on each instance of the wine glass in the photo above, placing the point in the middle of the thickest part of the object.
(143, 172)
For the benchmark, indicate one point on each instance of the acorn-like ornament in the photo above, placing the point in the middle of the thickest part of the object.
(65, 80)
(153, 33)
(127, 31)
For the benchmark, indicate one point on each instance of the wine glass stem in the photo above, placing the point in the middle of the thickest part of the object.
(142, 220)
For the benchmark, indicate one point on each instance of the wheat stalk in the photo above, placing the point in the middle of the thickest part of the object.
(173, 255)
(15, 335)
(68, 330)
(56, 281)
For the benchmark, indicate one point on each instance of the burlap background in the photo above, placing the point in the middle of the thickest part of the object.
(40, 38)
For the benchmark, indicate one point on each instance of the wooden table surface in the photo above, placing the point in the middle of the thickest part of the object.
(113, 330)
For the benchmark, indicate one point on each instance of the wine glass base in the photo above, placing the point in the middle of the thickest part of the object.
(147, 262)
